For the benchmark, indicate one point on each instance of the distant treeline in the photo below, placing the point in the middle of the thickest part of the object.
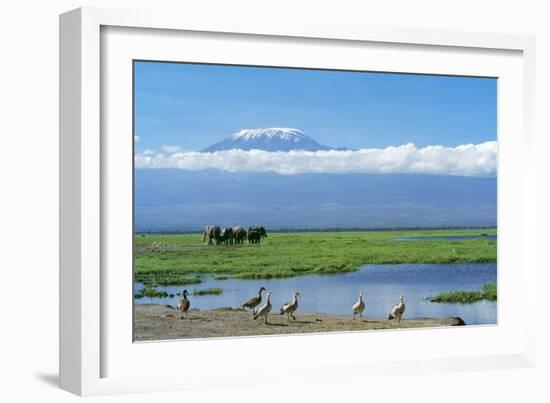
(352, 229)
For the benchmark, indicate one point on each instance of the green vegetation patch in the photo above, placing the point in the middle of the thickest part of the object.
(182, 259)
(208, 291)
(488, 292)
(152, 278)
(177, 279)
(151, 292)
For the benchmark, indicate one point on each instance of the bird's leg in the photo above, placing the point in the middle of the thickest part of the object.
(293, 317)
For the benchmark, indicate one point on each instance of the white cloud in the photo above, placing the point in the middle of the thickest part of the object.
(467, 160)
(172, 149)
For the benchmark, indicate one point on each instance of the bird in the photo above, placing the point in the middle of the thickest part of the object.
(184, 304)
(264, 309)
(254, 301)
(359, 306)
(290, 307)
(398, 310)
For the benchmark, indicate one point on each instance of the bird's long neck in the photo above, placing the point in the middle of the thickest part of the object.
(260, 293)
(268, 302)
(360, 298)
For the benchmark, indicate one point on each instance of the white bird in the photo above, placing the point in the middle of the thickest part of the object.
(184, 304)
(398, 310)
(290, 307)
(359, 306)
(264, 309)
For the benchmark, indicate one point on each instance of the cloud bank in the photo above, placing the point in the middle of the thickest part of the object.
(464, 160)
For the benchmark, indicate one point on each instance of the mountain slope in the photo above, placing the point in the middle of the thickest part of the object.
(173, 199)
(272, 139)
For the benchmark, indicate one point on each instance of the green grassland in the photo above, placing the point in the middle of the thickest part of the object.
(183, 259)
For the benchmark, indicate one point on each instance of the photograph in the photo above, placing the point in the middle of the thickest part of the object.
(274, 200)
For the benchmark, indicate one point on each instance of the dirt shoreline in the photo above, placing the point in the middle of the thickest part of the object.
(161, 322)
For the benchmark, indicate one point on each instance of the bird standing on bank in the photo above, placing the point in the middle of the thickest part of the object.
(359, 306)
(398, 310)
(290, 307)
(254, 301)
(265, 309)
(184, 304)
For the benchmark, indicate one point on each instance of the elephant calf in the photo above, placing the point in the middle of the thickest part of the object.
(255, 234)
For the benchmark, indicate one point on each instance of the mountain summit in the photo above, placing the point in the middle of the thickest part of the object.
(272, 139)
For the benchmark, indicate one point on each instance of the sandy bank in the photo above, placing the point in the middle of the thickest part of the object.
(160, 322)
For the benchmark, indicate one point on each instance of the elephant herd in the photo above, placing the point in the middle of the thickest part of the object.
(232, 235)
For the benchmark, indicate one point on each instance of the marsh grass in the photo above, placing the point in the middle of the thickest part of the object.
(176, 279)
(488, 292)
(208, 291)
(183, 259)
(151, 292)
(461, 297)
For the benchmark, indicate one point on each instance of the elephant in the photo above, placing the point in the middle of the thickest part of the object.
(239, 234)
(255, 234)
(227, 236)
(254, 237)
(213, 232)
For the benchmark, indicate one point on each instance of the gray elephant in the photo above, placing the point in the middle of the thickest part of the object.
(239, 234)
(213, 232)
(255, 234)
(227, 236)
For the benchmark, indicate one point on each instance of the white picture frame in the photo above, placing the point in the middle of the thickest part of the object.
(96, 355)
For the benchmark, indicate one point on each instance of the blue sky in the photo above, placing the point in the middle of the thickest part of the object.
(194, 106)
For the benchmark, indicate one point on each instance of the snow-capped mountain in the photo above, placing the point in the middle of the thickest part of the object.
(272, 139)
